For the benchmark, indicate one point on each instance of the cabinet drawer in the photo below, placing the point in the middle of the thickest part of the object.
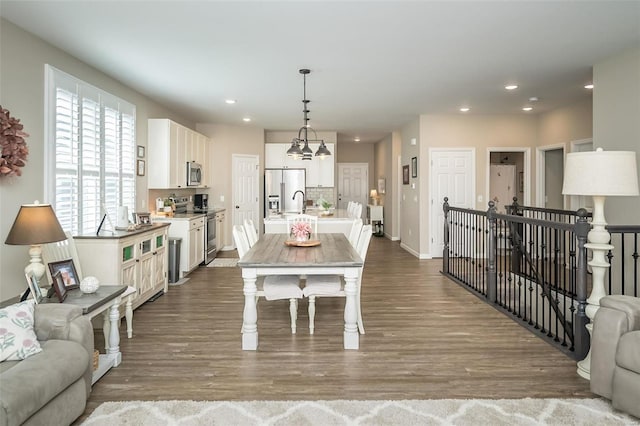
(196, 223)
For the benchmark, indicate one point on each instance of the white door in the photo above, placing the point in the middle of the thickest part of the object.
(246, 195)
(353, 184)
(452, 176)
(502, 185)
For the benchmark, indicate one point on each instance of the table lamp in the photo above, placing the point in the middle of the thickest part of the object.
(35, 224)
(599, 174)
(374, 197)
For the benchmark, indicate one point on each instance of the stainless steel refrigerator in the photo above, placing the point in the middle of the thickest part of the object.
(279, 187)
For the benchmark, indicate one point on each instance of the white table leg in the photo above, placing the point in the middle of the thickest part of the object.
(128, 313)
(114, 334)
(106, 327)
(250, 313)
(351, 337)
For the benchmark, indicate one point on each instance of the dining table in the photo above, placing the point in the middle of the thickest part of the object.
(273, 254)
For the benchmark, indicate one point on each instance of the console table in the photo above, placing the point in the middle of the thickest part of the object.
(105, 300)
(375, 216)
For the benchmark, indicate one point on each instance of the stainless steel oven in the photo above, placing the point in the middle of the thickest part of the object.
(210, 242)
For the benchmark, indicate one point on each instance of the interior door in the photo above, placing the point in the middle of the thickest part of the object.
(502, 185)
(452, 176)
(353, 184)
(246, 195)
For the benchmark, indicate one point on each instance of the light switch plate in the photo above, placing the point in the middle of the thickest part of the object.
(222, 198)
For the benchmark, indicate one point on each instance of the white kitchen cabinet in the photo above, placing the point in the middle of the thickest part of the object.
(191, 231)
(320, 173)
(220, 218)
(170, 145)
(138, 259)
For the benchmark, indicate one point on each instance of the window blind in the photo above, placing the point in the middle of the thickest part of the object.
(91, 151)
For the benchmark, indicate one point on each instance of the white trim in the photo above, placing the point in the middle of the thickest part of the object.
(49, 136)
(526, 201)
(540, 166)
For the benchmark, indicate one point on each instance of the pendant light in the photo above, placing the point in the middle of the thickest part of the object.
(300, 145)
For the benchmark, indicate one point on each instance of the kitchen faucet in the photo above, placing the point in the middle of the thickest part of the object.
(304, 200)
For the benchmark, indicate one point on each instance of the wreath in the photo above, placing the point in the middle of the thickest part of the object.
(14, 147)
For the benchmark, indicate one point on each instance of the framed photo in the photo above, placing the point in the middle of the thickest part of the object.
(67, 271)
(382, 187)
(59, 287)
(414, 167)
(405, 175)
(140, 151)
(141, 167)
(143, 219)
(521, 182)
(34, 288)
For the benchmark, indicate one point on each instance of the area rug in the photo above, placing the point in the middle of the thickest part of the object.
(224, 262)
(474, 412)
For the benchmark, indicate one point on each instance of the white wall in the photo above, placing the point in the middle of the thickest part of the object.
(616, 122)
(22, 61)
(411, 214)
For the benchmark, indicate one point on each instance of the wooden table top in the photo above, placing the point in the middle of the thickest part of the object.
(90, 302)
(270, 251)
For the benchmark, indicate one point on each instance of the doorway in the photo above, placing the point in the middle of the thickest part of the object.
(581, 201)
(353, 184)
(521, 187)
(550, 174)
(245, 188)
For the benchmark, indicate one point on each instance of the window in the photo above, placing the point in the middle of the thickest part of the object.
(90, 152)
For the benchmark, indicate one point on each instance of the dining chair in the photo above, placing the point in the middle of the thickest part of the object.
(354, 234)
(250, 230)
(333, 285)
(357, 211)
(274, 287)
(312, 220)
(350, 206)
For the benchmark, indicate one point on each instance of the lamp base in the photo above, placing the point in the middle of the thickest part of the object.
(35, 266)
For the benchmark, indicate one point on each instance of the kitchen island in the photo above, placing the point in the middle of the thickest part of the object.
(337, 222)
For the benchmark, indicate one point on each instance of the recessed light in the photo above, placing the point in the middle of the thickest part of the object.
(246, 119)
(511, 86)
(533, 99)
(464, 109)
(527, 108)
(588, 86)
(230, 101)
(356, 139)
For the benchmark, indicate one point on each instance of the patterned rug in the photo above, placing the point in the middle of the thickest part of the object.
(223, 262)
(409, 412)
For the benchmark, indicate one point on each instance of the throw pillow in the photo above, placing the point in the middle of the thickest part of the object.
(17, 338)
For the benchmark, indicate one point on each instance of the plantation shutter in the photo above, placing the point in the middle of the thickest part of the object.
(94, 144)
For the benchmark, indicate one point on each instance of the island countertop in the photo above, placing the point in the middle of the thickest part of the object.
(337, 214)
(338, 222)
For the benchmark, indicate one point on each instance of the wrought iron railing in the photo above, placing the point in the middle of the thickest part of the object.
(532, 264)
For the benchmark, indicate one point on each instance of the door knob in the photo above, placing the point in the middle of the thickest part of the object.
(237, 207)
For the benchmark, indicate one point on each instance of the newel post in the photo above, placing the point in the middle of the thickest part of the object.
(581, 334)
(492, 276)
(445, 248)
(515, 234)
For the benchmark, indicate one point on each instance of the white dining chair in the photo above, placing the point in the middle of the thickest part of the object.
(350, 206)
(312, 220)
(357, 211)
(333, 285)
(273, 287)
(250, 230)
(354, 234)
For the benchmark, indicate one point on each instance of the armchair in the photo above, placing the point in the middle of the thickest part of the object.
(615, 353)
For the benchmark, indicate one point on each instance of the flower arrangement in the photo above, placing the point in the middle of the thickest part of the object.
(13, 147)
(301, 231)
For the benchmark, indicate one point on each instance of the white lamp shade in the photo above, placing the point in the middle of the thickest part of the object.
(374, 193)
(601, 173)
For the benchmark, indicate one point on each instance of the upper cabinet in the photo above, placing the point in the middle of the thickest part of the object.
(169, 147)
(320, 172)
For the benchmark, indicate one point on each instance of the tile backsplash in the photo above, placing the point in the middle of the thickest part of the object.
(314, 193)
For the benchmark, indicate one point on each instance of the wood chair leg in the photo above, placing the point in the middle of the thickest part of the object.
(312, 313)
(293, 309)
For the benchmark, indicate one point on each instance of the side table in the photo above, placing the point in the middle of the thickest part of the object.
(106, 301)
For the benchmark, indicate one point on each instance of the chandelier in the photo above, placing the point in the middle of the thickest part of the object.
(300, 145)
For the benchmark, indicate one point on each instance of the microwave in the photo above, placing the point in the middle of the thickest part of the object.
(194, 174)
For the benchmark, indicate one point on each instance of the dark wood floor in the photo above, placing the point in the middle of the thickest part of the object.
(426, 338)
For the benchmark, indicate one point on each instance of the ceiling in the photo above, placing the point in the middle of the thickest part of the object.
(375, 66)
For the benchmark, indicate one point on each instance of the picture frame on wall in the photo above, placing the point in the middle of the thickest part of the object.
(140, 151)
(414, 167)
(405, 175)
(382, 186)
(141, 168)
(67, 271)
(59, 287)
